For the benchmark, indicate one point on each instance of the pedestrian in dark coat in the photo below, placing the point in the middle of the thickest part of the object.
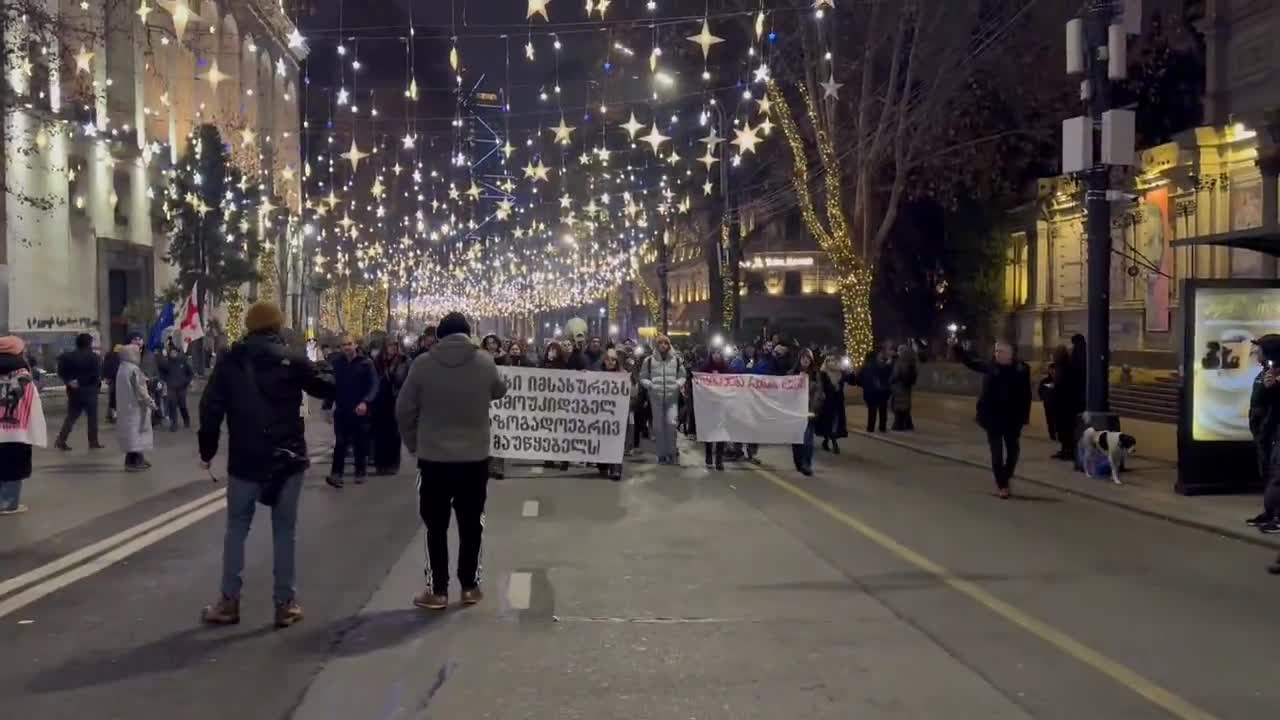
(81, 371)
(357, 388)
(176, 373)
(257, 388)
(875, 379)
(111, 368)
(1004, 408)
(802, 453)
(715, 365)
(901, 383)
(833, 422)
(392, 368)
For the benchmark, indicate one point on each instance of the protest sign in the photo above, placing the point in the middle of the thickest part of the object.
(763, 409)
(561, 415)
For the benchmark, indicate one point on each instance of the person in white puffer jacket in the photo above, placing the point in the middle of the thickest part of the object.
(662, 375)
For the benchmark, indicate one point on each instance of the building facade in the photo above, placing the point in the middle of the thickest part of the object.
(103, 97)
(786, 284)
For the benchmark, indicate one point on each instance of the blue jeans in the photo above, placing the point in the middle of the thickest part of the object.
(803, 453)
(242, 499)
(10, 492)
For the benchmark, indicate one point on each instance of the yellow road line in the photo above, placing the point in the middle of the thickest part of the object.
(1174, 705)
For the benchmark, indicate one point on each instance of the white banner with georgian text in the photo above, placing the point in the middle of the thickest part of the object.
(561, 415)
(759, 409)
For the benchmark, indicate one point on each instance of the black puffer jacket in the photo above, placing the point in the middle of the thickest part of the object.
(257, 425)
(1005, 402)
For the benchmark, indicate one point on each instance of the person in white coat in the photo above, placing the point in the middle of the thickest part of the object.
(134, 406)
(662, 376)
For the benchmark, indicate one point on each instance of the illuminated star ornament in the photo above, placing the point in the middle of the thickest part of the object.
(504, 209)
(831, 88)
(708, 159)
(538, 7)
(355, 155)
(508, 149)
(747, 139)
(705, 39)
(296, 41)
(712, 140)
(632, 126)
(181, 13)
(562, 131)
(215, 75)
(144, 10)
(473, 192)
(83, 60)
(378, 189)
(247, 137)
(655, 138)
(540, 171)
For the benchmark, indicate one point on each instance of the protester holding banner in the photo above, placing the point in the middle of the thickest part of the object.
(662, 375)
(555, 358)
(715, 365)
(802, 452)
(833, 422)
(611, 363)
(493, 345)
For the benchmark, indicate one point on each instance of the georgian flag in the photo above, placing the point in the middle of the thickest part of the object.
(191, 327)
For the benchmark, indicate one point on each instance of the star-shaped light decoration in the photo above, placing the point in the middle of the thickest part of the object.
(144, 10)
(346, 222)
(397, 169)
(766, 127)
(214, 75)
(408, 141)
(508, 149)
(655, 138)
(591, 208)
(632, 126)
(685, 205)
(766, 105)
(707, 187)
(529, 170)
(528, 50)
(354, 156)
(247, 137)
(674, 157)
(566, 202)
(504, 209)
(538, 7)
(288, 173)
(453, 192)
(601, 6)
(709, 159)
(759, 24)
(343, 96)
(296, 41)
(473, 192)
(603, 153)
(712, 140)
(584, 158)
(84, 58)
(705, 39)
(540, 172)
(378, 189)
(562, 131)
(181, 13)
(507, 186)
(762, 73)
(747, 139)
(332, 199)
(831, 88)
(281, 68)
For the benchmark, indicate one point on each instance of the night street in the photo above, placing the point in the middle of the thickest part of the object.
(890, 585)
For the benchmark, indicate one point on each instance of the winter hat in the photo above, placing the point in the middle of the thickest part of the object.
(263, 316)
(12, 345)
(455, 323)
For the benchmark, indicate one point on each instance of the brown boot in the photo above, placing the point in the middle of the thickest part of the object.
(430, 600)
(287, 614)
(224, 612)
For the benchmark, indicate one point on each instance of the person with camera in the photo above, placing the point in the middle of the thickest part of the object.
(257, 387)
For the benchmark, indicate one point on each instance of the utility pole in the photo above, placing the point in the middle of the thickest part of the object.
(1098, 208)
(664, 290)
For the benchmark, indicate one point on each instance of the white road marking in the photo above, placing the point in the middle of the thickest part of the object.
(530, 508)
(519, 590)
(89, 551)
(106, 560)
(536, 470)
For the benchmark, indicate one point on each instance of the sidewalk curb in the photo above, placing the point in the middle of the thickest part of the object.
(1247, 535)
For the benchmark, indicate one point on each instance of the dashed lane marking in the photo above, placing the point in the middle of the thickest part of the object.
(519, 590)
(530, 509)
(1157, 695)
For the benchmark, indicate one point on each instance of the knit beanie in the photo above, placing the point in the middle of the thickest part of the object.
(453, 324)
(12, 345)
(263, 316)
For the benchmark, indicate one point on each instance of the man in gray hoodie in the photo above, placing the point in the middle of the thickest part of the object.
(443, 413)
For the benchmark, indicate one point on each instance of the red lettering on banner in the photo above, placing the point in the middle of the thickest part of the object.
(755, 382)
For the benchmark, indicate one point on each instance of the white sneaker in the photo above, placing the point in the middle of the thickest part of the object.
(15, 511)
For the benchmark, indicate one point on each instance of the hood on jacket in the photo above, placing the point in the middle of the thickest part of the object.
(131, 353)
(454, 350)
(265, 342)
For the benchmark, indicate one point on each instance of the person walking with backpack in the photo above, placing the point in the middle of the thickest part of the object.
(257, 388)
(81, 371)
(22, 423)
(443, 412)
(662, 375)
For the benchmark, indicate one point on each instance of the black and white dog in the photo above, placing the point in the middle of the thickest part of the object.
(1115, 445)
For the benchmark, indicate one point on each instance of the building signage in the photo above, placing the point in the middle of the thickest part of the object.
(780, 262)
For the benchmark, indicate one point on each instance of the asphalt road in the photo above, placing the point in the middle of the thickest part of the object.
(891, 585)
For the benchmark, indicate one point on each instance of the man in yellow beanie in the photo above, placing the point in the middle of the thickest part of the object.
(257, 388)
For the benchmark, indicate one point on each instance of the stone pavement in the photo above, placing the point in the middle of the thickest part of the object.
(944, 428)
